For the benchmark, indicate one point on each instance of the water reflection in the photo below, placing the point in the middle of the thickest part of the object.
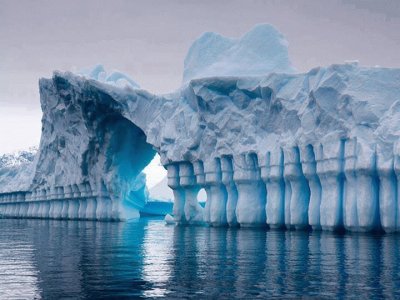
(55, 259)
(228, 263)
(18, 273)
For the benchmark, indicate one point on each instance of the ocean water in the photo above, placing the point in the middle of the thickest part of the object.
(48, 259)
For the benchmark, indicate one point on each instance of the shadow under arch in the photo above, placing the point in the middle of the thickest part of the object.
(126, 153)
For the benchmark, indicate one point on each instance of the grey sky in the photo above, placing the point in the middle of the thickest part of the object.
(149, 39)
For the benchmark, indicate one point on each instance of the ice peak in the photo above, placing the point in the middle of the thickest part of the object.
(115, 78)
(260, 51)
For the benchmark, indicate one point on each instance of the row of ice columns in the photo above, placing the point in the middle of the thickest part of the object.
(182, 180)
(292, 188)
(58, 209)
(61, 202)
(60, 192)
(12, 197)
(186, 179)
(287, 188)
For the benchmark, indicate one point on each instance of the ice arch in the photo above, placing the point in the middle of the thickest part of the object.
(91, 154)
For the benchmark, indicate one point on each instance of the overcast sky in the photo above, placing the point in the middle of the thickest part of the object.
(149, 39)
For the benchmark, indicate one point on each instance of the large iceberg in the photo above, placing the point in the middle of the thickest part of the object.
(288, 150)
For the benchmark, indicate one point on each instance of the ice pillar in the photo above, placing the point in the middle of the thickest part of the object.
(250, 210)
(179, 197)
(329, 158)
(216, 195)
(296, 210)
(388, 188)
(232, 194)
(310, 172)
(104, 205)
(361, 202)
(187, 179)
(273, 176)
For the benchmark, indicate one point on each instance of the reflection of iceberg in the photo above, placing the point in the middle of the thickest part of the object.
(268, 146)
(244, 264)
(18, 268)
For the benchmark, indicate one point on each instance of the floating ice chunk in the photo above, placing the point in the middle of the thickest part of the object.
(169, 220)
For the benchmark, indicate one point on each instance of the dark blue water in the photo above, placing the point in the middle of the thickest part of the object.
(88, 260)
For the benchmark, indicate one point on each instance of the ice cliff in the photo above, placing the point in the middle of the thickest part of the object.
(270, 147)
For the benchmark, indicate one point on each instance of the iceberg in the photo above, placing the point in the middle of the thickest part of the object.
(270, 148)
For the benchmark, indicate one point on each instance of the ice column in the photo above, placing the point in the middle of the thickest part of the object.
(329, 157)
(310, 172)
(187, 180)
(65, 203)
(396, 205)
(217, 195)
(388, 195)
(198, 169)
(73, 209)
(35, 210)
(232, 194)
(91, 203)
(296, 211)
(179, 198)
(250, 210)
(51, 197)
(29, 213)
(24, 209)
(367, 185)
(58, 204)
(350, 218)
(103, 208)
(275, 208)
(361, 187)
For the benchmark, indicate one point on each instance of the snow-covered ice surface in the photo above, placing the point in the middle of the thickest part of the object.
(115, 78)
(260, 51)
(318, 149)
